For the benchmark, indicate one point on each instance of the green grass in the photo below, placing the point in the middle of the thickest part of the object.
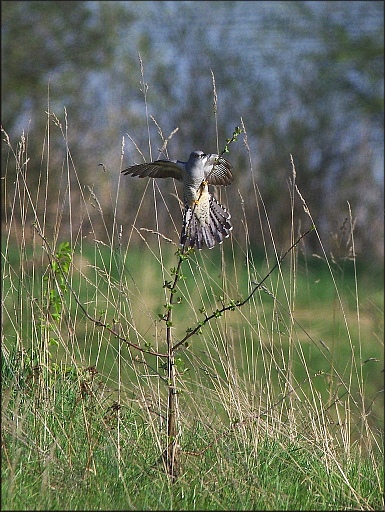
(60, 452)
(280, 403)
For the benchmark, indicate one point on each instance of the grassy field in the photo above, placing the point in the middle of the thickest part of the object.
(279, 401)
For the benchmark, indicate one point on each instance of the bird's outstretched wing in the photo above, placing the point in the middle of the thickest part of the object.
(218, 171)
(157, 169)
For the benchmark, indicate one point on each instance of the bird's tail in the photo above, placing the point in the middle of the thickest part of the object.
(195, 230)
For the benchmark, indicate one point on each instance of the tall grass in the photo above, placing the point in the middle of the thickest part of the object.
(279, 402)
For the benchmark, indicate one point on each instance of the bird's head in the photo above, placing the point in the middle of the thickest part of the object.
(196, 155)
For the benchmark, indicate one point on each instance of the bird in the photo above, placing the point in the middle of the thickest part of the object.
(205, 219)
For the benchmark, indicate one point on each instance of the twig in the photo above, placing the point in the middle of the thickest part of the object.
(239, 304)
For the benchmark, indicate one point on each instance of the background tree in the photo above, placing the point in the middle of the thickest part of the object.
(306, 77)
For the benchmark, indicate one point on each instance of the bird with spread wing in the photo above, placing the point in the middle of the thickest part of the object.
(205, 219)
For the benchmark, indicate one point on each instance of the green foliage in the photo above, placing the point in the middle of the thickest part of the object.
(56, 285)
(234, 138)
(70, 445)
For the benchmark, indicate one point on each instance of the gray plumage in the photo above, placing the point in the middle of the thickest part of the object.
(205, 219)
